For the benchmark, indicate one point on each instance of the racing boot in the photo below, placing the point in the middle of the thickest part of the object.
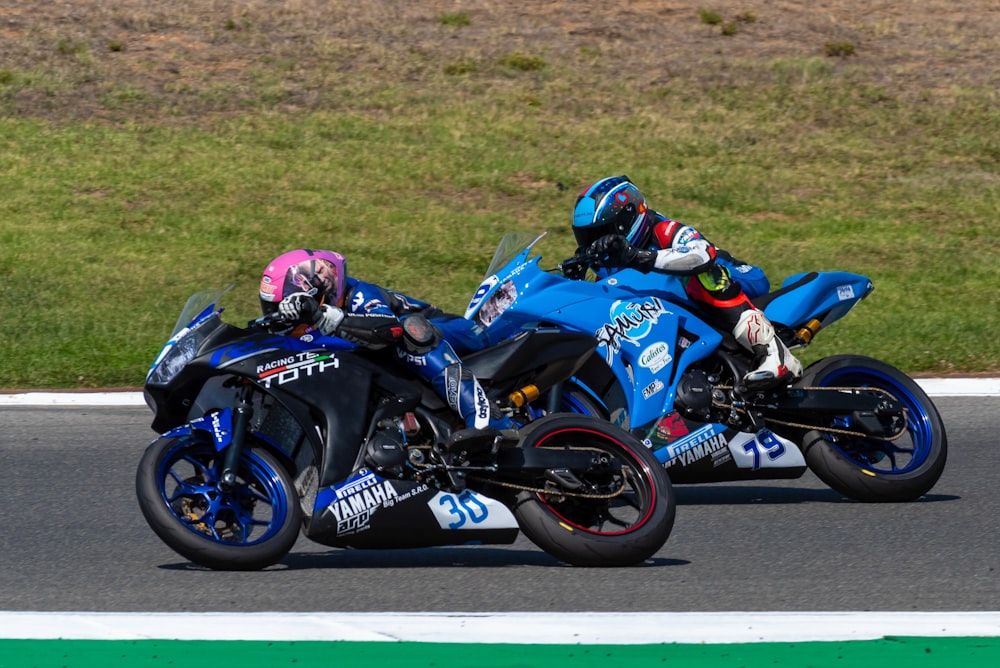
(774, 363)
(466, 397)
(437, 362)
(484, 427)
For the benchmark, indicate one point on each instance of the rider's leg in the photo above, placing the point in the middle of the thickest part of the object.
(772, 359)
(432, 358)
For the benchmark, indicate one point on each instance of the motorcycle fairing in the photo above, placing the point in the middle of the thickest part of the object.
(372, 512)
(695, 452)
(645, 350)
(298, 375)
(827, 296)
(217, 425)
(544, 356)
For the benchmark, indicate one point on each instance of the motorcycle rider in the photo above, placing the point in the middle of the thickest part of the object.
(611, 219)
(311, 288)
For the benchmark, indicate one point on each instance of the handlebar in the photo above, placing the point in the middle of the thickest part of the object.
(309, 308)
(267, 321)
(350, 329)
(575, 268)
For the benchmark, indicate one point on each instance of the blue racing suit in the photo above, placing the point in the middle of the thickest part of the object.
(434, 359)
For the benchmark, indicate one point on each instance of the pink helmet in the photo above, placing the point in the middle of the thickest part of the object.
(321, 273)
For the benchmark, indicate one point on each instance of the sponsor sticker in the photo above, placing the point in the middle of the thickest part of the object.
(630, 322)
(358, 499)
(655, 356)
(292, 368)
(652, 389)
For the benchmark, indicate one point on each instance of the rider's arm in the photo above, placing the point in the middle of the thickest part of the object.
(369, 317)
(681, 249)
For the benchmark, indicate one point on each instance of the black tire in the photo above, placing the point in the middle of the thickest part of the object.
(247, 528)
(622, 530)
(868, 469)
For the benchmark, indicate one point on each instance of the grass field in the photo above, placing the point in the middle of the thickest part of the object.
(150, 148)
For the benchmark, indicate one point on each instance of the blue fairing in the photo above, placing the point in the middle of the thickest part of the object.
(644, 340)
(828, 296)
(642, 333)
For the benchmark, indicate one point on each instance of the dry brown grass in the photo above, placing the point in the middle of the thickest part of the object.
(178, 60)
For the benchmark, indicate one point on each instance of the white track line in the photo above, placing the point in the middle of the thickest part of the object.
(935, 387)
(620, 628)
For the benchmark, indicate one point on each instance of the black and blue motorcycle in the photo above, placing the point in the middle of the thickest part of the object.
(264, 436)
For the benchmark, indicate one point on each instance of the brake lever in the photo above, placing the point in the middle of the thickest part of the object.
(267, 321)
(575, 267)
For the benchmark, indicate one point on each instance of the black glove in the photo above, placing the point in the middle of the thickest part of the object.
(574, 268)
(614, 250)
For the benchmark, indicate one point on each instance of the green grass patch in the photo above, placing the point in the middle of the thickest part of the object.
(457, 19)
(839, 49)
(800, 163)
(710, 17)
(523, 61)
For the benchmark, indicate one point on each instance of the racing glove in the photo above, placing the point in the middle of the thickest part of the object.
(303, 307)
(328, 319)
(297, 307)
(614, 250)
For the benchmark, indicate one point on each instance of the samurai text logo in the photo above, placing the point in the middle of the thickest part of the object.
(630, 323)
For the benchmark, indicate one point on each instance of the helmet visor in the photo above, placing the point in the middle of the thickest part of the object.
(317, 276)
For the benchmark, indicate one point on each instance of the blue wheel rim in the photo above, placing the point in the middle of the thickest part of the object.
(899, 457)
(251, 513)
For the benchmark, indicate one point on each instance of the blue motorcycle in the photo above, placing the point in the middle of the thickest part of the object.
(661, 372)
(264, 436)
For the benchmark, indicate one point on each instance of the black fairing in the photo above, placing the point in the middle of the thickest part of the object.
(333, 391)
(541, 357)
(337, 397)
(763, 300)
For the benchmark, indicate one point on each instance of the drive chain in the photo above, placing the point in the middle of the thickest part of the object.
(551, 491)
(828, 429)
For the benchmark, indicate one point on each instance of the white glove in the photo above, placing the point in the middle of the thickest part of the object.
(328, 319)
(297, 306)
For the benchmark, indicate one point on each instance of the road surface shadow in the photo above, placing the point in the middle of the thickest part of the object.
(466, 556)
(721, 494)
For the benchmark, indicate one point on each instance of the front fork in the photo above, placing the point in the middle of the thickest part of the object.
(242, 413)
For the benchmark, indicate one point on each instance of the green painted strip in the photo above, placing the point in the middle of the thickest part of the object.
(914, 652)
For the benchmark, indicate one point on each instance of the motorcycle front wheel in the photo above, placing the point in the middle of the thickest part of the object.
(246, 526)
(623, 514)
(873, 469)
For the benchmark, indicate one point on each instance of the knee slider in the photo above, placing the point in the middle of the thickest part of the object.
(420, 336)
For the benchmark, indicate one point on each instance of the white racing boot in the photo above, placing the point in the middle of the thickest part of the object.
(774, 361)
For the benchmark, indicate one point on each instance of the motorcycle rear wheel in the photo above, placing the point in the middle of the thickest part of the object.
(871, 469)
(626, 528)
(248, 527)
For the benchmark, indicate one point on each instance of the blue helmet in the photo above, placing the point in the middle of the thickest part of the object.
(613, 205)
